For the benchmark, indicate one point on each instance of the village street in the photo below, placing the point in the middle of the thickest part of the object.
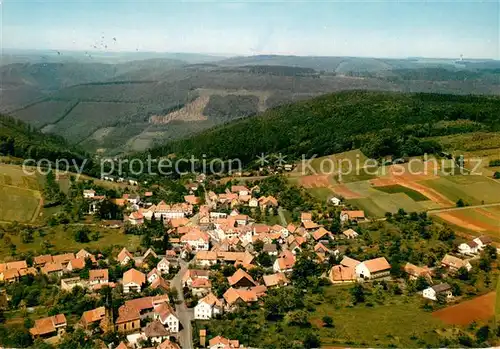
(184, 314)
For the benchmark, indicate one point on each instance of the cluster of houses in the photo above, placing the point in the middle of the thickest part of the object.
(473, 247)
(51, 265)
(218, 235)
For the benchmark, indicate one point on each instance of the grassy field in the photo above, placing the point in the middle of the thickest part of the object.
(474, 190)
(20, 194)
(392, 189)
(334, 163)
(378, 204)
(397, 322)
(63, 241)
(322, 194)
(470, 141)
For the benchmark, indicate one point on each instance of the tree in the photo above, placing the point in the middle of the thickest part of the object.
(311, 340)
(463, 274)
(298, 318)
(357, 294)
(460, 203)
(483, 334)
(421, 283)
(327, 321)
(258, 246)
(82, 235)
(305, 267)
(496, 175)
(265, 260)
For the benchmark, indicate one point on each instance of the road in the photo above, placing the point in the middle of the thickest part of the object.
(185, 315)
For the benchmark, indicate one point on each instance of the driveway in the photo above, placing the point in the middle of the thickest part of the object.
(185, 315)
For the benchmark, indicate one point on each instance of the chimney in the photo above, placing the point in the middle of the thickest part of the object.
(203, 338)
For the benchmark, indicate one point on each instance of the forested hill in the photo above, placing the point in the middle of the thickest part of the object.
(21, 140)
(379, 123)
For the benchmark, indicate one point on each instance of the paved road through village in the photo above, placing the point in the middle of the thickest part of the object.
(185, 315)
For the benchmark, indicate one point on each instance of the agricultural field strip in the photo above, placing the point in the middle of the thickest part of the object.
(452, 209)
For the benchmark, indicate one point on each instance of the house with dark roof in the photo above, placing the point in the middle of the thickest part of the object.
(433, 292)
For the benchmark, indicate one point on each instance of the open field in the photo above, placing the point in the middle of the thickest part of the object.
(474, 190)
(421, 184)
(400, 322)
(481, 308)
(63, 241)
(322, 194)
(397, 188)
(483, 220)
(20, 196)
(332, 164)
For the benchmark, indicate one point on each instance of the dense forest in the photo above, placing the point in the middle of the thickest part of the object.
(227, 108)
(21, 140)
(379, 123)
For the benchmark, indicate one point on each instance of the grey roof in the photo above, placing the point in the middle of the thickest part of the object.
(441, 287)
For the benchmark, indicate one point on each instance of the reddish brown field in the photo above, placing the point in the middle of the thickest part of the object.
(467, 222)
(477, 309)
(346, 193)
(461, 222)
(315, 181)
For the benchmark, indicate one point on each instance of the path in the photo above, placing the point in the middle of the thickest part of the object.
(282, 217)
(184, 314)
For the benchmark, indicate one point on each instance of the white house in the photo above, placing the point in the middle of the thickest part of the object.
(124, 256)
(434, 291)
(197, 240)
(156, 332)
(208, 307)
(133, 281)
(335, 201)
(240, 189)
(483, 241)
(163, 266)
(468, 248)
(373, 268)
(206, 258)
(99, 276)
(166, 315)
(153, 275)
(253, 202)
(88, 194)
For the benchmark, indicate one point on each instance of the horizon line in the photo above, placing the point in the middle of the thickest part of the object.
(224, 55)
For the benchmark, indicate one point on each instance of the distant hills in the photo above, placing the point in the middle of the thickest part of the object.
(131, 105)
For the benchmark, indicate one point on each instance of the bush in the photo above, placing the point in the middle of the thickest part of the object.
(82, 235)
(327, 321)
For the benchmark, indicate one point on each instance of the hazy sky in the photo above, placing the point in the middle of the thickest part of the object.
(340, 28)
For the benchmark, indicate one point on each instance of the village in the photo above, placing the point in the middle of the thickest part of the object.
(220, 258)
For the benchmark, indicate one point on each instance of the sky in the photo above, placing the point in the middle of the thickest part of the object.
(392, 29)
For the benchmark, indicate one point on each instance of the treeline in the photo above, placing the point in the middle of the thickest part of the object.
(282, 70)
(380, 123)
